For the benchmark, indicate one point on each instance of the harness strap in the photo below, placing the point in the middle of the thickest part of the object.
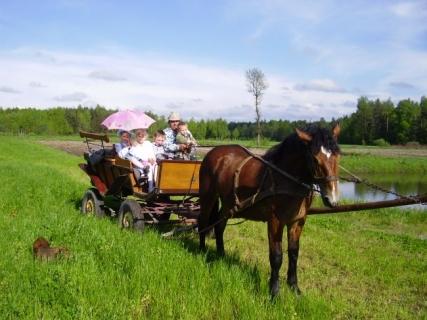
(249, 202)
(260, 194)
(277, 169)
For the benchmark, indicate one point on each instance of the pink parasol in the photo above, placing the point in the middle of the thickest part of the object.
(128, 120)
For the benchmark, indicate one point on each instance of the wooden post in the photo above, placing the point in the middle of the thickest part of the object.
(369, 205)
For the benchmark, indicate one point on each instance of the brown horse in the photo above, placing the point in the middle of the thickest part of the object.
(277, 188)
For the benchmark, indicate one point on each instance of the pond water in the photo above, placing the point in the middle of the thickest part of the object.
(401, 184)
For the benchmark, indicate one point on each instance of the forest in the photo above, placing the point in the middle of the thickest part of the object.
(374, 122)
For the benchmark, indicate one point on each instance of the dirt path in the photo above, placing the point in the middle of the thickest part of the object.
(79, 147)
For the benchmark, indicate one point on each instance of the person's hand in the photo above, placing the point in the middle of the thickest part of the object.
(152, 161)
(182, 147)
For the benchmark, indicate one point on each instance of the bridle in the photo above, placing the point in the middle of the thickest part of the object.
(315, 169)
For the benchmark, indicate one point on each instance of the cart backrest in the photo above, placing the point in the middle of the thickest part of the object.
(178, 177)
(94, 136)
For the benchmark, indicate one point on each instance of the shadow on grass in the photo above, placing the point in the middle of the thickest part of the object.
(76, 203)
(190, 243)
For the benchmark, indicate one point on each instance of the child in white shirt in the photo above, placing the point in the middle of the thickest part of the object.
(142, 156)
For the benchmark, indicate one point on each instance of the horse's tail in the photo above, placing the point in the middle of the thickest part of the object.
(208, 195)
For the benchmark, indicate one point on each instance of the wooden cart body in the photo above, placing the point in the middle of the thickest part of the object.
(114, 176)
(176, 188)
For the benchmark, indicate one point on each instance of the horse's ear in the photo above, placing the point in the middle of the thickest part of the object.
(304, 136)
(336, 131)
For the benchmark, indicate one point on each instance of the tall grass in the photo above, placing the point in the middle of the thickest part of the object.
(364, 265)
(383, 165)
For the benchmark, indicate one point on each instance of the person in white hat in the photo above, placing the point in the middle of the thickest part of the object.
(171, 147)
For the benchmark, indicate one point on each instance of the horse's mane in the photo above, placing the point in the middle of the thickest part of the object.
(293, 144)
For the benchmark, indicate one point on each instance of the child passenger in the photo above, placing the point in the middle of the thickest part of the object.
(184, 136)
(121, 148)
(142, 156)
(158, 145)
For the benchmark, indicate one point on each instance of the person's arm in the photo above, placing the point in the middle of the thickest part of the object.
(170, 145)
(118, 147)
(194, 141)
(123, 152)
(151, 155)
(135, 161)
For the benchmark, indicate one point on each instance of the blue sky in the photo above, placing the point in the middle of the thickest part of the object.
(191, 56)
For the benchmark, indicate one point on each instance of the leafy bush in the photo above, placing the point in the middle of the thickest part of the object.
(380, 143)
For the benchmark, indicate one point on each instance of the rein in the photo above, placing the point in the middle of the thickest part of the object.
(272, 190)
(278, 170)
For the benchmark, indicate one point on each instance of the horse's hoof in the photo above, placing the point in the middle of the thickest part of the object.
(274, 291)
(274, 298)
(294, 288)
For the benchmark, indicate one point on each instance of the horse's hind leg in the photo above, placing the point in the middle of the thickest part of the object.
(294, 232)
(210, 210)
(275, 234)
(219, 235)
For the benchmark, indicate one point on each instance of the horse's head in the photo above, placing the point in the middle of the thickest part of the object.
(325, 158)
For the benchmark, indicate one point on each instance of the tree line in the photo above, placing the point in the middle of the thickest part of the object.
(374, 122)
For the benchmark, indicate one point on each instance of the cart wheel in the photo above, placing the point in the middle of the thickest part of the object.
(131, 216)
(92, 204)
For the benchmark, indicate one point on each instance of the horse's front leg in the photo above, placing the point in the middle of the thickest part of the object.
(294, 232)
(275, 234)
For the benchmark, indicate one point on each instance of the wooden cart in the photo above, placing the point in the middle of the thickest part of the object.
(115, 190)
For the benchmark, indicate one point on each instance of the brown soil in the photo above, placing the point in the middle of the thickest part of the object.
(74, 147)
(79, 147)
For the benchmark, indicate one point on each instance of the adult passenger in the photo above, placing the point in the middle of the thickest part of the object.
(170, 145)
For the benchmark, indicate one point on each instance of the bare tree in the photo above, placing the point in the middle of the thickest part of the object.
(256, 85)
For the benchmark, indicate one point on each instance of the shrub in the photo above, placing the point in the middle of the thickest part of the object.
(380, 143)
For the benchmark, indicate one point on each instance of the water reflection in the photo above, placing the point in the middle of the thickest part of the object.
(401, 184)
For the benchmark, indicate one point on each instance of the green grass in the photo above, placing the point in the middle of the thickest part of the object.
(379, 164)
(354, 265)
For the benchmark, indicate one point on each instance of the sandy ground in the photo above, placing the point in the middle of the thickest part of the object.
(78, 147)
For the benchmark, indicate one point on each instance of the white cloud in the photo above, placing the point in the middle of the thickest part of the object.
(402, 85)
(163, 85)
(36, 84)
(325, 85)
(71, 97)
(6, 89)
(105, 75)
(409, 9)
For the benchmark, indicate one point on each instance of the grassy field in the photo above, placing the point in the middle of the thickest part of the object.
(369, 265)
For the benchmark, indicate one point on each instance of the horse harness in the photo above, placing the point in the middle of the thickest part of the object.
(264, 192)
